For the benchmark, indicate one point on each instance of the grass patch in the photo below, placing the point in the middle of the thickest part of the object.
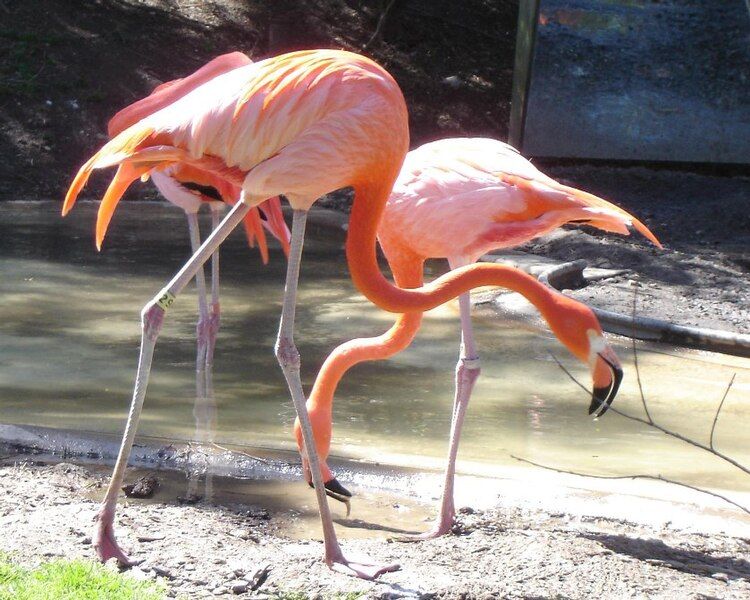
(72, 580)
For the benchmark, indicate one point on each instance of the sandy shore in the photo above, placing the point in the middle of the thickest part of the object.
(516, 549)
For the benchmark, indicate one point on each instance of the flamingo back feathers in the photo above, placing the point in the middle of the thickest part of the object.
(284, 125)
(467, 196)
(168, 92)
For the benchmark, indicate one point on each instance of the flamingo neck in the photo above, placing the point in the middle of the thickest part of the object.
(408, 273)
(369, 201)
(393, 341)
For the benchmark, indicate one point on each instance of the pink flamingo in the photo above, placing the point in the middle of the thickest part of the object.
(459, 199)
(302, 124)
(190, 189)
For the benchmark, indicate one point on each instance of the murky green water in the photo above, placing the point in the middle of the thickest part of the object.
(69, 333)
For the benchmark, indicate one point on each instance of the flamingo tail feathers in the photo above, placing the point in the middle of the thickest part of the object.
(275, 222)
(126, 174)
(592, 200)
(611, 217)
(112, 153)
(254, 229)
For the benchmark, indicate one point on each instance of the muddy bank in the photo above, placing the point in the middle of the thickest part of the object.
(205, 550)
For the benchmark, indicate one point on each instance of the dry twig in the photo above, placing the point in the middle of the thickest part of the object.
(381, 23)
(664, 430)
(635, 359)
(718, 410)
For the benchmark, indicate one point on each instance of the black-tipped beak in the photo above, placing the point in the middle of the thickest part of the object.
(602, 397)
(338, 492)
(334, 489)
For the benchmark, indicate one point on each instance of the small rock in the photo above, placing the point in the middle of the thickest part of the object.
(239, 586)
(163, 572)
(721, 577)
(219, 591)
(190, 499)
(240, 533)
(260, 577)
(142, 488)
(453, 81)
(86, 541)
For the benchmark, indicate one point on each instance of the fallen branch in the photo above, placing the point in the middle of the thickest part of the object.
(646, 328)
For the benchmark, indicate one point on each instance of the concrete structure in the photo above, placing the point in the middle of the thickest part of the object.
(649, 80)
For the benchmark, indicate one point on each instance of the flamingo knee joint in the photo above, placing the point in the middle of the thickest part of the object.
(287, 353)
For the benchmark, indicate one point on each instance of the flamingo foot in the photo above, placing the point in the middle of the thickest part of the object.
(441, 527)
(432, 534)
(105, 544)
(364, 569)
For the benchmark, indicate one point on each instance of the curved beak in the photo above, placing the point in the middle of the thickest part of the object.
(602, 397)
(335, 490)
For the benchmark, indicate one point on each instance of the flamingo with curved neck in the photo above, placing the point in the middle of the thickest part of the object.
(459, 198)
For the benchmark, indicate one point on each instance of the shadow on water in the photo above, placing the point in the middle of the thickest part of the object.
(69, 335)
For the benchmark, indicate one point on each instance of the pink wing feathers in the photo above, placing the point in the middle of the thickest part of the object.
(170, 91)
(179, 166)
(466, 196)
(283, 125)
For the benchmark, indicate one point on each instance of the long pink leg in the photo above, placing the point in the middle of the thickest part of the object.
(201, 327)
(467, 372)
(289, 359)
(214, 312)
(152, 318)
(207, 418)
(204, 409)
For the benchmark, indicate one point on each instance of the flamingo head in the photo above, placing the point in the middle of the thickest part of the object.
(577, 327)
(322, 433)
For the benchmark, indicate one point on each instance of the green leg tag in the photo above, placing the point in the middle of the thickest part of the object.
(165, 300)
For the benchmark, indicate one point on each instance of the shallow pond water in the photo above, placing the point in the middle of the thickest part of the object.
(69, 334)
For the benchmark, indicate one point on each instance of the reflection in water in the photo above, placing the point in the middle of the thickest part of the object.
(204, 413)
(69, 334)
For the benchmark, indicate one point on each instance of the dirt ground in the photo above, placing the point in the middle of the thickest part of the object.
(205, 550)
